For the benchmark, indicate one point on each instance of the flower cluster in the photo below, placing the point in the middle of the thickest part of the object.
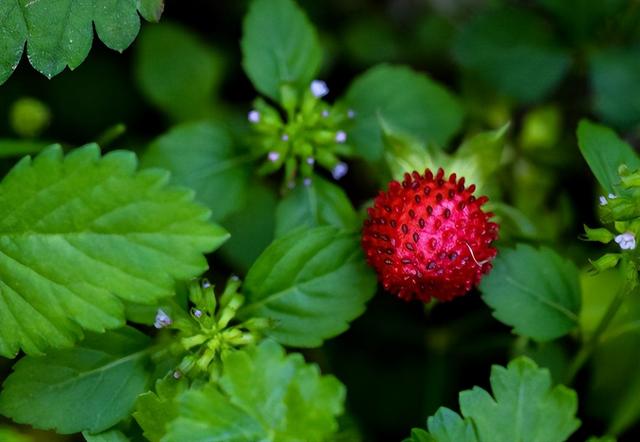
(310, 132)
(620, 212)
(207, 334)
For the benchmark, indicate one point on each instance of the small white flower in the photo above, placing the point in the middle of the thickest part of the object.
(341, 136)
(273, 156)
(197, 313)
(325, 113)
(626, 240)
(339, 171)
(306, 182)
(162, 319)
(611, 196)
(284, 137)
(311, 161)
(253, 116)
(603, 201)
(319, 88)
(351, 113)
(177, 374)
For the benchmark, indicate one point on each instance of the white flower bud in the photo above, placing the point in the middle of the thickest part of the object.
(626, 240)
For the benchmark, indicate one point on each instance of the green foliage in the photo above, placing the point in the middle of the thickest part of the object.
(155, 409)
(409, 102)
(8, 434)
(202, 156)
(312, 282)
(80, 234)
(263, 394)
(536, 291)
(106, 436)
(321, 203)
(524, 407)
(59, 33)
(605, 152)
(581, 17)
(613, 76)
(177, 72)
(279, 46)
(90, 387)
(506, 47)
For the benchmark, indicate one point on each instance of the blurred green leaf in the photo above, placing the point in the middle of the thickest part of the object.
(90, 387)
(15, 148)
(8, 434)
(616, 93)
(409, 102)
(321, 203)
(580, 17)
(177, 72)
(279, 46)
(92, 233)
(312, 282)
(155, 409)
(106, 436)
(514, 52)
(535, 291)
(604, 152)
(201, 156)
(59, 33)
(252, 227)
(524, 406)
(285, 399)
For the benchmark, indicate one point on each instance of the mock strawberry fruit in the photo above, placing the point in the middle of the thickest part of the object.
(429, 237)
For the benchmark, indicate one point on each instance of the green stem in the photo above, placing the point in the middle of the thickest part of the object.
(589, 345)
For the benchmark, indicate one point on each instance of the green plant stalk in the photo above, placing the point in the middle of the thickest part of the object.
(590, 345)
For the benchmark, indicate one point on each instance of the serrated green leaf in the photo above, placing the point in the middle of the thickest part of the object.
(321, 203)
(201, 156)
(279, 46)
(447, 426)
(106, 436)
(613, 76)
(155, 409)
(177, 72)
(264, 395)
(524, 407)
(59, 33)
(536, 291)
(420, 435)
(81, 233)
(409, 102)
(604, 152)
(505, 46)
(90, 387)
(312, 282)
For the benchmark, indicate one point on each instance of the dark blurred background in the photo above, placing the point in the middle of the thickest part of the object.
(540, 64)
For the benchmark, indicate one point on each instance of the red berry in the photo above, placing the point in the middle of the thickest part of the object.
(428, 237)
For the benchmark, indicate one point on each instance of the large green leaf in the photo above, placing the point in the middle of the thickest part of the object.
(409, 103)
(90, 387)
(202, 156)
(80, 234)
(524, 407)
(59, 33)
(177, 72)
(605, 152)
(106, 436)
(614, 79)
(279, 46)
(505, 47)
(155, 409)
(264, 395)
(536, 291)
(321, 203)
(312, 282)
(8, 434)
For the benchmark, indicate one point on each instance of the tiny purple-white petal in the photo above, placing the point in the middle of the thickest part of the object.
(319, 88)
(162, 319)
(341, 136)
(273, 156)
(611, 196)
(311, 161)
(253, 116)
(284, 137)
(351, 113)
(603, 201)
(339, 171)
(325, 113)
(626, 240)
(306, 182)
